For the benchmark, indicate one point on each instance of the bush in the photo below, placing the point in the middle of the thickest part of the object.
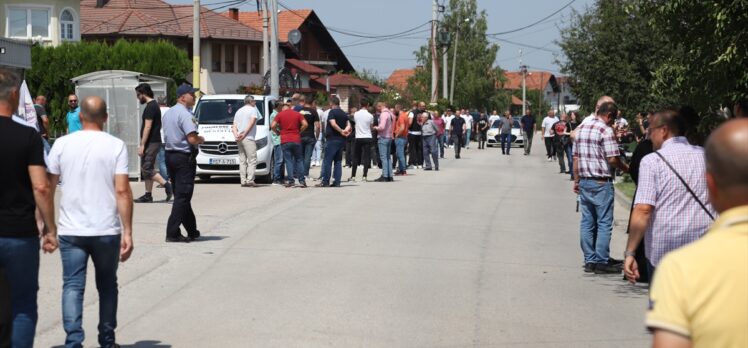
(53, 67)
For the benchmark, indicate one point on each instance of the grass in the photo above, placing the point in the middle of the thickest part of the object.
(627, 186)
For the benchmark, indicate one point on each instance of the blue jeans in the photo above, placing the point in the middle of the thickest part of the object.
(318, 145)
(161, 160)
(441, 140)
(596, 204)
(277, 163)
(430, 152)
(506, 139)
(568, 150)
(400, 151)
(333, 153)
(104, 252)
(20, 259)
(293, 158)
(384, 156)
(307, 147)
(466, 142)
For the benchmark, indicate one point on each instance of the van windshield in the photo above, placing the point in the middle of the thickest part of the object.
(222, 111)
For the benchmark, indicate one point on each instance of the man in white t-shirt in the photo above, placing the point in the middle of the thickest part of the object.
(95, 218)
(494, 117)
(319, 145)
(364, 140)
(161, 158)
(469, 124)
(448, 126)
(245, 131)
(547, 126)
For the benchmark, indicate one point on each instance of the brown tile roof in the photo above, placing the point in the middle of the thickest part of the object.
(307, 68)
(516, 101)
(158, 18)
(535, 80)
(399, 78)
(345, 80)
(287, 21)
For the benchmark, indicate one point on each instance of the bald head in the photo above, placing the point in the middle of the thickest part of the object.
(93, 109)
(604, 99)
(727, 164)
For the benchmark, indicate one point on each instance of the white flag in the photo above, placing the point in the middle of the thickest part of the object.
(26, 109)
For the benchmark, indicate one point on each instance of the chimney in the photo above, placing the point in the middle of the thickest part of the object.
(101, 3)
(233, 13)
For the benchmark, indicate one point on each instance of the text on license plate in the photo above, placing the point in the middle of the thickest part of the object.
(222, 161)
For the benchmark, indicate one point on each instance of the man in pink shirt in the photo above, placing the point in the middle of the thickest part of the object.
(384, 136)
(440, 136)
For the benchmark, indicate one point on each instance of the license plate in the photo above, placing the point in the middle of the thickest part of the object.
(222, 161)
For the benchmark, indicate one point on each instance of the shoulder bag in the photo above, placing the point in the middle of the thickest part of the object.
(703, 206)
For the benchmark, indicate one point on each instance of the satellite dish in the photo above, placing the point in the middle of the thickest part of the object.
(294, 37)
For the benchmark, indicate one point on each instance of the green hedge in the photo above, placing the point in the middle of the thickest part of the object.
(53, 67)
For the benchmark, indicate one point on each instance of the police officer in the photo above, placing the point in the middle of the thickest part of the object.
(180, 134)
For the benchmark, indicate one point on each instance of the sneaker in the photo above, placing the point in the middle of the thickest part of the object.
(381, 179)
(604, 268)
(277, 183)
(288, 185)
(301, 184)
(169, 191)
(352, 179)
(322, 184)
(146, 198)
(419, 167)
(250, 184)
(589, 267)
(363, 179)
(549, 159)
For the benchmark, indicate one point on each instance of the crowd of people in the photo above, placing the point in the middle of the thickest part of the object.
(698, 297)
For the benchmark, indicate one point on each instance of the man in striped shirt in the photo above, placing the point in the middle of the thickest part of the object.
(665, 213)
(595, 149)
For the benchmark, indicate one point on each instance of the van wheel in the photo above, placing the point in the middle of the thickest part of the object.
(204, 177)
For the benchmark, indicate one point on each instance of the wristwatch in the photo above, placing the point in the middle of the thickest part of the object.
(629, 253)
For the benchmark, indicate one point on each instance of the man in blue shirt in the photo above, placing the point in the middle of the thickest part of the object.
(338, 128)
(73, 116)
(180, 134)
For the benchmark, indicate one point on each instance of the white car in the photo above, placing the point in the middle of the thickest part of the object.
(219, 155)
(518, 139)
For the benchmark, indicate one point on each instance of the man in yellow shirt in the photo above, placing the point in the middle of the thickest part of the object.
(699, 297)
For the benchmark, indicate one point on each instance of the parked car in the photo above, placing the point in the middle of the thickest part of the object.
(219, 155)
(518, 139)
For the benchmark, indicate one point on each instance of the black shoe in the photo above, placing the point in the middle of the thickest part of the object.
(381, 179)
(322, 185)
(604, 268)
(436, 169)
(169, 191)
(335, 185)
(612, 261)
(589, 267)
(146, 198)
(427, 169)
(178, 239)
(193, 236)
(390, 179)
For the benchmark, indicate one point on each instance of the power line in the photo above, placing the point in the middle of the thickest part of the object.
(385, 39)
(543, 48)
(535, 23)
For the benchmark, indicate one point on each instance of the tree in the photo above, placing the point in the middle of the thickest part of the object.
(610, 50)
(53, 67)
(476, 77)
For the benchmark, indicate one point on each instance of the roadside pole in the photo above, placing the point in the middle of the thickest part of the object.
(196, 44)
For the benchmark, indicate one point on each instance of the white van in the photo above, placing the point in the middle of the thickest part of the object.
(219, 155)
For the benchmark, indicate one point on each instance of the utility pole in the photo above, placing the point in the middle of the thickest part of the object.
(523, 69)
(196, 43)
(274, 87)
(434, 60)
(454, 64)
(445, 80)
(265, 43)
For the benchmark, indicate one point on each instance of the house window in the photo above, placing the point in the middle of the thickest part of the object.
(228, 58)
(28, 22)
(242, 59)
(215, 59)
(67, 25)
(255, 59)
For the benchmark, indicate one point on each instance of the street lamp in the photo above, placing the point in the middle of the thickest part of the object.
(454, 62)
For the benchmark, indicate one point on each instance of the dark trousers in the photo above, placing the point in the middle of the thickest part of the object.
(506, 143)
(307, 148)
(333, 153)
(561, 155)
(549, 150)
(6, 313)
(181, 168)
(458, 140)
(361, 155)
(415, 149)
(349, 151)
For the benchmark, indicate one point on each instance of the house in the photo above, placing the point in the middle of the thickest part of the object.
(229, 51)
(49, 22)
(567, 97)
(15, 55)
(316, 48)
(399, 78)
(535, 81)
(348, 88)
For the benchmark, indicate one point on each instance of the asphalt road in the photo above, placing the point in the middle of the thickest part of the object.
(484, 253)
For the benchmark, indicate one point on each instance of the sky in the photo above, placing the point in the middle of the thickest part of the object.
(382, 17)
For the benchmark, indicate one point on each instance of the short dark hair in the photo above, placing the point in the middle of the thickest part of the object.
(335, 100)
(674, 121)
(608, 108)
(9, 82)
(144, 88)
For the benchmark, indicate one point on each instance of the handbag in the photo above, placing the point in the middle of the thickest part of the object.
(703, 206)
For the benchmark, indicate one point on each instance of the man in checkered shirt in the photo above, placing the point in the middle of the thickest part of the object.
(665, 214)
(595, 150)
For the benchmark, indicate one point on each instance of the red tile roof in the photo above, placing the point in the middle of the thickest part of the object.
(399, 78)
(345, 80)
(307, 68)
(158, 18)
(516, 101)
(535, 80)
(287, 21)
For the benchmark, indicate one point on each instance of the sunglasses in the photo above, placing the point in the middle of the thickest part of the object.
(72, 101)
